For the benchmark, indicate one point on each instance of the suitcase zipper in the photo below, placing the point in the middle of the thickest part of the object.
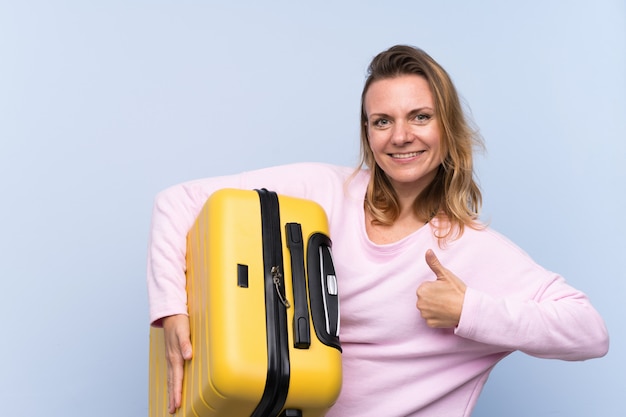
(276, 279)
(278, 372)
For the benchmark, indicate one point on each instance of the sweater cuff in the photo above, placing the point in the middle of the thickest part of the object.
(471, 307)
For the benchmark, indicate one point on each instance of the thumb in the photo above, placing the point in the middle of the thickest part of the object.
(184, 340)
(185, 347)
(435, 265)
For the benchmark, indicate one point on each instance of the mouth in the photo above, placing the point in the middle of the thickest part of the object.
(406, 155)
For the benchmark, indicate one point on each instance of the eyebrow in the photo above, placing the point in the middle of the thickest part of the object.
(421, 110)
(412, 112)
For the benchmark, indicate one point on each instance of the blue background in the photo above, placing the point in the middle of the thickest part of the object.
(104, 103)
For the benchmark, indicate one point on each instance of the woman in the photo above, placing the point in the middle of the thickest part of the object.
(413, 195)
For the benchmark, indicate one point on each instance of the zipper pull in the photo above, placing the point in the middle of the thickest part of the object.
(276, 276)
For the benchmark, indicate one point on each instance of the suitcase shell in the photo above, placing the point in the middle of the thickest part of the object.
(263, 311)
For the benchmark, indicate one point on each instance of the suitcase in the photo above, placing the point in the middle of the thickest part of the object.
(263, 311)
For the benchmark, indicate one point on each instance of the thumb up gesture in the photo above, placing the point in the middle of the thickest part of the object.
(440, 302)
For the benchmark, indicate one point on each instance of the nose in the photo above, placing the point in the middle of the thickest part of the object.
(401, 134)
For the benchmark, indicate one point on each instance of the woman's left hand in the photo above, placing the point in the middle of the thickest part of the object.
(441, 301)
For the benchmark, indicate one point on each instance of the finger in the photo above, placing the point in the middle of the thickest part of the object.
(174, 365)
(422, 292)
(185, 353)
(178, 349)
(434, 264)
(174, 371)
(176, 362)
(176, 384)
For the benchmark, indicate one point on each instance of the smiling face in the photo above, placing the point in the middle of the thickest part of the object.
(403, 132)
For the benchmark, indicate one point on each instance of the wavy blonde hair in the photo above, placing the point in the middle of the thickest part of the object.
(453, 197)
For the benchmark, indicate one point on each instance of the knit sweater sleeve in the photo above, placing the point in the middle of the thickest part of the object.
(561, 324)
(176, 208)
(174, 211)
(541, 315)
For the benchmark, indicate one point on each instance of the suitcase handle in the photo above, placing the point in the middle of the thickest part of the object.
(301, 327)
(323, 290)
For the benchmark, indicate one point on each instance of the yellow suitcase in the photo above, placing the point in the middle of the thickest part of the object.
(263, 311)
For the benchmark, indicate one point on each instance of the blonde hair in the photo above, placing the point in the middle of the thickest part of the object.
(453, 197)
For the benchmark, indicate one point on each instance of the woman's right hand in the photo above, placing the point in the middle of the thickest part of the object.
(177, 350)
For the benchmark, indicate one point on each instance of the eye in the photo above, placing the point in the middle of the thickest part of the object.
(381, 122)
(423, 118)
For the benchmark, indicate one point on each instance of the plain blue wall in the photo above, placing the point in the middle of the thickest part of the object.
(102, 104)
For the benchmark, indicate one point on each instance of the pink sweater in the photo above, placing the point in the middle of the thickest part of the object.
(393, 364)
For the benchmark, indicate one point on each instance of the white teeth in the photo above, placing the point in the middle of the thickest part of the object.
(405, 155)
